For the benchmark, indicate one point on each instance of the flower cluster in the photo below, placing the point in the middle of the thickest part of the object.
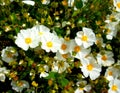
(74, 53)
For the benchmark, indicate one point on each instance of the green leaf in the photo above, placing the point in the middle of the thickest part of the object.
(64, 82)
(51, 75)
(78, 4)
(59, 31)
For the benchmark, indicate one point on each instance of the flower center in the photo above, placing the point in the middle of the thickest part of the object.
(89, 67)
(49, 44)
(104, 58)
(61, 64)
(108, 31)
(84, 38)
(81, 88)
(114, 87)
(28, 40)
(20, 83)
(77, 48)
(64, 46)
(110, 73)
(9, 54)
(65, 56)
(118, 4)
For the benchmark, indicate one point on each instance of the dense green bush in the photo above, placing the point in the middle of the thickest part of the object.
(38, 68)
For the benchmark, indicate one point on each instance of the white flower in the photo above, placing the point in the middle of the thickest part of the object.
(77, 51)
(90, 68)
(2, 77)
(27, 38)
(45, 2)
(65, 46)
(105, 59)
(111, 30)
(114, 17)
(116, 3)
(44, 71)
(41, 31)
(114, 86)
(82, 86)
(18, 86)
(3, 72)
(63, 57)
(111, 73)
(9, 54)
(85, 37)
(50, 42)
(59, 66)
(99, 42)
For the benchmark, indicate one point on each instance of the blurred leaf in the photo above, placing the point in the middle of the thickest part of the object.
(78, 4)
(63, 82)
(51, 75)
(59, 31)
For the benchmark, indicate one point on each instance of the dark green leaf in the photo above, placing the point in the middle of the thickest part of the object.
(78, 4)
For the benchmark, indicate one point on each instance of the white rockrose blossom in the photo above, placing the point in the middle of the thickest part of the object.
(65, 46)
(111, 73)
(90, 68)
(59, 66)
(82, 87)
(3, 72)
(44, 71)
(9, 54)
(111, 30)
(63, 57)
(114, 17)
(18, 86)
(51, 42)
(105, 59)
(86, 37)
(114, 86)
(79, 52)
(116, 4)
(41, 31)
(27, 38)
(99, 42)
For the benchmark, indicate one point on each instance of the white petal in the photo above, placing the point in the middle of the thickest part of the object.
(29, 2)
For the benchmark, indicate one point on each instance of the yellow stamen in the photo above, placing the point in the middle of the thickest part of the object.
(64, 47)
(81, 88)
(49, 44)
(90, 67)
(110, 73)
(77, 48)
(84, 38)
(114, 87)
(9, 54)
(104, 57)
(111, 18)
(65, 56)
(61, 64)
(118, 4)
(28, 40)
(108, 31)
(20, 83)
